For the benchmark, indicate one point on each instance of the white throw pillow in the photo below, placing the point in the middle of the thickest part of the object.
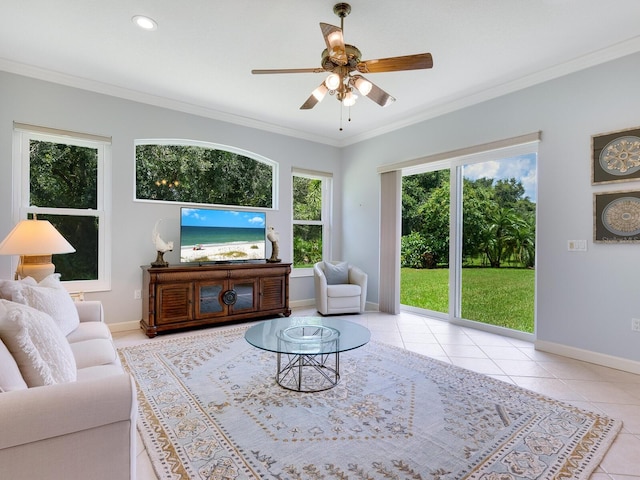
(41, 351)
(336, 274)
(50, 296)
(12, 288)
(10, 376)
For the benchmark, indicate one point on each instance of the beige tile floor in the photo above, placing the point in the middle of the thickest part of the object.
(612, 392)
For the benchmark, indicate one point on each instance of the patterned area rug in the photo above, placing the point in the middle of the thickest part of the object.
(210, 409)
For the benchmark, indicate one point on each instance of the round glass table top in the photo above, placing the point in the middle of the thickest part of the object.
(307, 335)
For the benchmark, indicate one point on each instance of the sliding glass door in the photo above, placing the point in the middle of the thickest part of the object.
(424, 252)
(497, 258)
(468, 238)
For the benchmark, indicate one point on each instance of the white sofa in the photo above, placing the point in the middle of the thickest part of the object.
(84, 428)
(339, 287)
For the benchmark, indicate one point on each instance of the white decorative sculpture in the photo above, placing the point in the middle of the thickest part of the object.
(161, 247)
(273, 237)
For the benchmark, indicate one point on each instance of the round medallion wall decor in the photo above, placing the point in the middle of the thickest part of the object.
(622, 216)
(621, 156)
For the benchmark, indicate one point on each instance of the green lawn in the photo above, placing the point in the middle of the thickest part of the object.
(497, 296)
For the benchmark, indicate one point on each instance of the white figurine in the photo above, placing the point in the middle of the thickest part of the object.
(161, 247)
(273, 237)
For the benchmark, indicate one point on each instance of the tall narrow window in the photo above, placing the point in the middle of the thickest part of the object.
(311, 218)
(62, 177)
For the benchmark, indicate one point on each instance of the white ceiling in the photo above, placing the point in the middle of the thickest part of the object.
(200, 58)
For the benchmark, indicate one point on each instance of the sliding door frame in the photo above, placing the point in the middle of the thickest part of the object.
(454, 160)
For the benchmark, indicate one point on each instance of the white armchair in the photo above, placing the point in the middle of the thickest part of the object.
(339, 287)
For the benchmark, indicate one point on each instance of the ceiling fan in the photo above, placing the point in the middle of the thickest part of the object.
(344, 65)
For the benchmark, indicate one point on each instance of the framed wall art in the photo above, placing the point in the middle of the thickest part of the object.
(616, 217)
(615, 156)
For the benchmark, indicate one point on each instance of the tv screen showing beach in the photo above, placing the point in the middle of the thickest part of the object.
(208, 235)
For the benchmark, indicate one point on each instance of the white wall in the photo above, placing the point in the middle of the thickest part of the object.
(36, 102)
(585, 301)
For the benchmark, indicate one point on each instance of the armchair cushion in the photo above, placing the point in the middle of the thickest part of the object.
(39, 348)
(89, 331)
(93, 352)
(336, 274)
(345, 290)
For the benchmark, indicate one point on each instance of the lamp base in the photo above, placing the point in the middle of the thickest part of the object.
(37, 267)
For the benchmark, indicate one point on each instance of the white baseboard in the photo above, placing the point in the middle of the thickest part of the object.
(309, 302)
(588, 356)
(371, 307)
(124, 326)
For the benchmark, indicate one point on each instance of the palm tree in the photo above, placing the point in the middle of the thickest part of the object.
(524, 241)
(498, 235)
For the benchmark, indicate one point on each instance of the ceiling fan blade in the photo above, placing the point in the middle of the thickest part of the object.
(395, 64)
(368, 89)
(288, 70)
(335, 43)
(316, 97)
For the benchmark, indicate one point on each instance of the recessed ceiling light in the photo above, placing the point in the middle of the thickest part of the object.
(145, 23)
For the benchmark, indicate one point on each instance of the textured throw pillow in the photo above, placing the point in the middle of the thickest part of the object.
(42, 353)
(13, 288)
(10, 376)
(50, 296)
(336, 274)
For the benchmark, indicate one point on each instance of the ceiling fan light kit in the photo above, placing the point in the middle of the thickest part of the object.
(344, 65)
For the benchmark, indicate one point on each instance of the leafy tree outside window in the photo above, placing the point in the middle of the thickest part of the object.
(311, 194)
(196, 172)
(65, 175)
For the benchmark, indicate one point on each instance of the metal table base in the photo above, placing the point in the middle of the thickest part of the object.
(308, 372)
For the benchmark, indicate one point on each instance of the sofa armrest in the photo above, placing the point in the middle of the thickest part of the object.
(90, 311)
(41, 413)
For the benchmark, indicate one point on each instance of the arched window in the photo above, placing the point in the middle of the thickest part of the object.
(187, 171)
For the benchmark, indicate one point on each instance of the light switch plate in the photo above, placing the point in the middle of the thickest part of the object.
(577, 245)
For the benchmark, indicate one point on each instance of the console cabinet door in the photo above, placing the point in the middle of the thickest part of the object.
(245, 298)
(174, 303)
(272, 293)
(209, 302)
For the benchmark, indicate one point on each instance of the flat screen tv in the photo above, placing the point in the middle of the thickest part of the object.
(210, 235)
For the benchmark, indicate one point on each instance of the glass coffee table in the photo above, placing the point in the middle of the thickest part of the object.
(307, 349)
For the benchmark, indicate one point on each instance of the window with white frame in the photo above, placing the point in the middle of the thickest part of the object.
(311, 201)
(64, 177)
(190, 171)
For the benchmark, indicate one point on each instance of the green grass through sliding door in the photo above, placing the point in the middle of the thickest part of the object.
(497, 296)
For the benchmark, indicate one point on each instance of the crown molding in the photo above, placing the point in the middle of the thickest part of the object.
(614, 52)
(154, 100)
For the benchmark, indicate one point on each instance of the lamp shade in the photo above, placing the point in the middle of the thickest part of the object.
(34, 237)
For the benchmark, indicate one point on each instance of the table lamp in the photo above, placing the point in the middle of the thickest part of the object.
(35, 241)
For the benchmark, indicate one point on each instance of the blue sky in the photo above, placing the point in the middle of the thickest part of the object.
(203, 217)
(522, 168)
